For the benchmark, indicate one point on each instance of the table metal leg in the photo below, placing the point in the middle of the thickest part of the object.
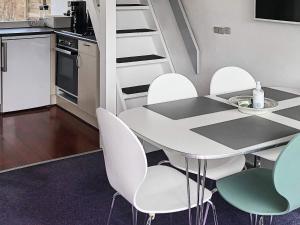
(188, 190)
(202, 192)
(198, 192)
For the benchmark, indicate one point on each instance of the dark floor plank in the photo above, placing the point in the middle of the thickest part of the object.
(43, 134)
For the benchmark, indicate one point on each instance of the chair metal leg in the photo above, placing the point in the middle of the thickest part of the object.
(213, 191)
(111, 207)
(164, 162)
(206, 214)
(134, 215)
(188, 190)
(214, 212)
(149, 221)
(257, 162)
(251, 219)
(261, 221)
(255, 219)
(271, 220)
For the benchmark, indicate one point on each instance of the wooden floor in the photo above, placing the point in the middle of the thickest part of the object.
(43, 134)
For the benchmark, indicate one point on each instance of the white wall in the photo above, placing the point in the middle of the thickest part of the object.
(59, 7)
(269, 51)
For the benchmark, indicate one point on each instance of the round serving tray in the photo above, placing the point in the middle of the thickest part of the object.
(244, 105)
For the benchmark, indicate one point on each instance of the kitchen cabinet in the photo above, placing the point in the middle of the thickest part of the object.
(88, 73)
(25, 72)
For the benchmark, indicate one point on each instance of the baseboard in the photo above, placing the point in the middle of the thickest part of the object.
(49, 161)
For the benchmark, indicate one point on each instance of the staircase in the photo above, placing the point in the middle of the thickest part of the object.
(142, 54)
(136, 48)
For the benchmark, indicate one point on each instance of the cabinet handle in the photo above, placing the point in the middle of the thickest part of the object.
(87, 45)
(64, 51)
(4, 56)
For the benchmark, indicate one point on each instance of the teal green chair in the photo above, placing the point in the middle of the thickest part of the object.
(265, 193)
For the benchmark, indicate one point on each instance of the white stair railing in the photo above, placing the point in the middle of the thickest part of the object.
(186, 32)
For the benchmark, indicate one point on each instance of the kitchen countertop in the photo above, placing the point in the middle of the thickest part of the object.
(6, 32)
(24, 31)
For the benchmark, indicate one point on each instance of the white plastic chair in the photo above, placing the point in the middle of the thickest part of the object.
(153, 190)
(170, 87)
(232, 79)
(271, 154)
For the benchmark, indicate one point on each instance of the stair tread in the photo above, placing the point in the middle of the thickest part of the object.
(139, 58)
(136, 89)
(122, 5)
(129, 31)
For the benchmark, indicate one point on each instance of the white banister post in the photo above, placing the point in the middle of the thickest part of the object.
(108, 54)
(108, 57)
(104, 24)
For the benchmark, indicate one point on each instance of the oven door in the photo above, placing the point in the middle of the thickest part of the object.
(67, 70)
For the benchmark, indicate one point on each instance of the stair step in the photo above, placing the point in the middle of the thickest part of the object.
(132, 7)
(136, 91)
(129, 31)
(121, 5)
(136, 32)
(139, 58)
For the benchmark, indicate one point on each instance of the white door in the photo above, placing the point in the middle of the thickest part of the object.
(26, 82)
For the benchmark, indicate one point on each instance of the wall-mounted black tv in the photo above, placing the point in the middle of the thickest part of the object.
(278, 10)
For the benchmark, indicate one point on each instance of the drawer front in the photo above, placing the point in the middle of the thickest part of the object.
(88, 48)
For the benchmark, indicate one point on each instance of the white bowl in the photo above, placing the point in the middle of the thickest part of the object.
(243, 103)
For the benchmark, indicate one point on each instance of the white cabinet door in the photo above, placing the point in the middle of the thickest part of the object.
(26, 83)
(87, 77)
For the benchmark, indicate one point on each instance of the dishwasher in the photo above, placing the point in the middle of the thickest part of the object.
(25, 72)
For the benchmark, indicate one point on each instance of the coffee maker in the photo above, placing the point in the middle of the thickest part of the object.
(78, 12)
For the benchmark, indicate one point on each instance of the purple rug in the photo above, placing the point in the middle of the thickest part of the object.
(76, 192)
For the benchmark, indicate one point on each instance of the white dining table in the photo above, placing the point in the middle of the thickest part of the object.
(209, 127)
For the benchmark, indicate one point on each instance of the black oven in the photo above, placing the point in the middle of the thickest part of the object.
(67, 65)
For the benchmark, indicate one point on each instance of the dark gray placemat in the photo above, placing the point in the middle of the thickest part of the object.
(292, 113)
(269, 93)
(187, 108)
(245, 132)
